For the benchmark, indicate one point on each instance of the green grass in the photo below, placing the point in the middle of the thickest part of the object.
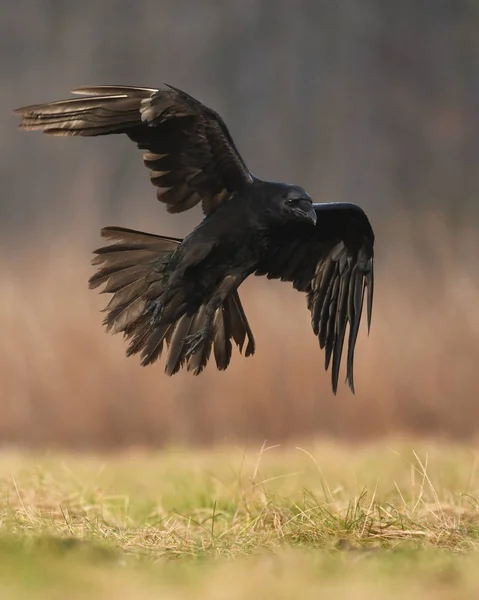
(378, 521)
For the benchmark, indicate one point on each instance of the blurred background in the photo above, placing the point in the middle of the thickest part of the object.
(373, 102)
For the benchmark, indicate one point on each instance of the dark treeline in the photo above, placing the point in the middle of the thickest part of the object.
(374, 102)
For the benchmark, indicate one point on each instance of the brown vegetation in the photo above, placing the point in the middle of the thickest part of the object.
(66, 383)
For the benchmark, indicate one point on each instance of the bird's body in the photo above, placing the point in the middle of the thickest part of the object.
(213, 260)
(184, 292)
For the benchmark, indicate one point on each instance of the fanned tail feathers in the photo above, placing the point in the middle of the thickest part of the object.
(135, 264)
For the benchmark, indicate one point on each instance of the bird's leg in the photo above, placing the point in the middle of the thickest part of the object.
(157, 305)
(189, 253)
(196, 340)
(157, 312)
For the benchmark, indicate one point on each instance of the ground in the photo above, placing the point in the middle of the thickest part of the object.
(379, 521)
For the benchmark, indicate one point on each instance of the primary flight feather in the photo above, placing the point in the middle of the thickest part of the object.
(183, 293)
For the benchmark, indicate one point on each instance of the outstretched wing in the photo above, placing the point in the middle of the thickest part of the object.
(333, 263)
(190, 153)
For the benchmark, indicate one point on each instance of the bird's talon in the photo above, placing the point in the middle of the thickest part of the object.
(194, 343)
(157, 312)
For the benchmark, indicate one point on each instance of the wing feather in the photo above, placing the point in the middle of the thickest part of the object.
(190, 153)
(333, 263)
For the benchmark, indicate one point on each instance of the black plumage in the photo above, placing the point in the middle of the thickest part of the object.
(183, 293)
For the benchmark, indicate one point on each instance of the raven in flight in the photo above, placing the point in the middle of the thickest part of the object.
(184, 293)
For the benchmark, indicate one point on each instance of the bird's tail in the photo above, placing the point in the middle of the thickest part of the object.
(128, 269)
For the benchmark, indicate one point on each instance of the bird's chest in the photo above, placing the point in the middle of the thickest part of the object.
(236, 250)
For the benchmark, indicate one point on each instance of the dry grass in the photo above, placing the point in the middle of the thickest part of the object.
(385, 521)
(66, 383)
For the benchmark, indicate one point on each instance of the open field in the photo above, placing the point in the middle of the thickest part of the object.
(376, 521)
(119, 483)
(380, 520)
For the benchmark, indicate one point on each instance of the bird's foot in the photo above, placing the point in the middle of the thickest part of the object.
(195, 342)
(157, 312)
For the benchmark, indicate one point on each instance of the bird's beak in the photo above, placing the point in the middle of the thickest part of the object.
(310, 214)
(306, 211)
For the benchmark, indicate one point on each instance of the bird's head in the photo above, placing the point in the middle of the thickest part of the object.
(295, 203)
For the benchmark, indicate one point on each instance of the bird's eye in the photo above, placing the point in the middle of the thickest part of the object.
(290, 202)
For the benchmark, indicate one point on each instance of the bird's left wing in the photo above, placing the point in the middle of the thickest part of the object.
(190, 153)
(332, 262)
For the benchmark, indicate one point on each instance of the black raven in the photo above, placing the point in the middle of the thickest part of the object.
(184, 292)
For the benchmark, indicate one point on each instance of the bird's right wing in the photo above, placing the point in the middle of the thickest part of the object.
(332, 262)
(190, 153)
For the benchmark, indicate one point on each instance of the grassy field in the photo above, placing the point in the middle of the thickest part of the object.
(376, 521)
(383, 520)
